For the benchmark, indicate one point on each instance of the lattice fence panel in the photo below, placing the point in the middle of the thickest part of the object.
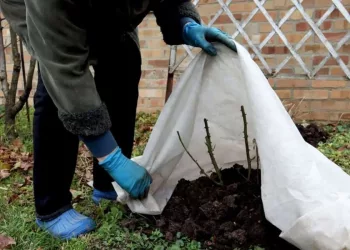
(294, 40)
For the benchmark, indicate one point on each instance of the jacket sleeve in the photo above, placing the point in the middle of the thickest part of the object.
(169, 13)
(14, 12)
(58, 35)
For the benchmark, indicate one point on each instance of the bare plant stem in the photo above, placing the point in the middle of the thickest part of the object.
(246, 142)
(257, 159)
(195, 161)
(211, 151)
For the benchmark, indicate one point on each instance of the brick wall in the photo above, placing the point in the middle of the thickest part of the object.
(326, 96)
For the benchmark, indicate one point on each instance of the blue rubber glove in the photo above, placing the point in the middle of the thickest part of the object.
(128, 174)
(133, 178)
(200, 36)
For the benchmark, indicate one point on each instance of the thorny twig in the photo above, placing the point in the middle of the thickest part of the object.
(195, 161)
(246, 141)
(211, 151)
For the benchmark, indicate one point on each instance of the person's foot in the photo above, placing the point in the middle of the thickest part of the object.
(98, 195)
(68, 225)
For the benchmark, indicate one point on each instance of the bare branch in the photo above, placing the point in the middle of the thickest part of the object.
(246, 141)
(16, 64)
(10, 87)
(211, 151)
(3, 73)
(195, 161)
(10, 43)
(7, 45)
(28, 87)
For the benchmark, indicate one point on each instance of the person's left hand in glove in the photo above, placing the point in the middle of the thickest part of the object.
(197, 35)
(128, 174)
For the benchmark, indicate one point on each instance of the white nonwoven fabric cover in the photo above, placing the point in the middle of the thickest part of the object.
(304, 194)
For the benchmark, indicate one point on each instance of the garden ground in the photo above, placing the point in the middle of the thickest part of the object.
(17, 226)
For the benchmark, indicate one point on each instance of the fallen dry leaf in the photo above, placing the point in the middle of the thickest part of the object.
(13, 155)
(4, 173)
(4, 156)
(6, 242)
(17, 165)
(344, 147)
(26, 166)
(27, 181)
(12, 199)
(25, 156)
(17, 144)
(4, 166)
(76, 194)
(12, 160)
(88, 175)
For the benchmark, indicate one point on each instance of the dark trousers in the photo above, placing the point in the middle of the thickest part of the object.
(117, 75)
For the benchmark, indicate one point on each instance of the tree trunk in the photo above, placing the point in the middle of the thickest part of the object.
(10, 122)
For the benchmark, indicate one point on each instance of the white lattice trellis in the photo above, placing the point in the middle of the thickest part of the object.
(276, 29)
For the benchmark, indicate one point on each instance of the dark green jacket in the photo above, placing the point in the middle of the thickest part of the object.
(56, 32)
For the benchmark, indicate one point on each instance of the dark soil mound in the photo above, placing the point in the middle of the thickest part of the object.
(224, 217)
(312, 134)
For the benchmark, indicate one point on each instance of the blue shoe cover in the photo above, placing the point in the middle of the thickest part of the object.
(68, 225)
(97, 195)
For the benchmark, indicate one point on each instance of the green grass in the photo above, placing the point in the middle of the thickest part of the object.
(143, 128)
(17, 221)
(17, 217)
(337, 148)
(23, 129)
